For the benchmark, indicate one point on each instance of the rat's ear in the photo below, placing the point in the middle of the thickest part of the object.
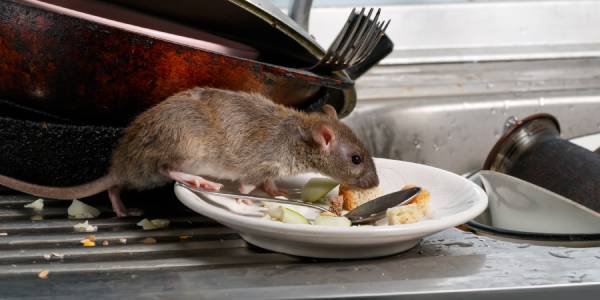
(330, 111)
(323, 136)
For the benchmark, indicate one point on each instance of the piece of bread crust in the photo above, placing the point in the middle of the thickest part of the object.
(353, 197)
(415, 211)
(421, 200)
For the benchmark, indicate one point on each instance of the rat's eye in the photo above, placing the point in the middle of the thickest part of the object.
(356, 159)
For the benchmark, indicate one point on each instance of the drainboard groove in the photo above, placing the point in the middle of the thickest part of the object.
(59, 224)
(210, 247)
(150, 264)
(75, 237)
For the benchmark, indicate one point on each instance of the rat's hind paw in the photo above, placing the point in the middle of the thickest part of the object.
(272, 190)
(193, 180)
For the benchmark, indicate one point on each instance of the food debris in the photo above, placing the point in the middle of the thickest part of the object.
(3, 233)
(91, 237)
(36, 205)
(80, 210)
(153, 224)
(85, 227)
(105, 243)
(37, 218)
(123, 240)
(335, 204)
(43, 274)
(53, 255)
(185, 237)
(88, 243)
(149, 241)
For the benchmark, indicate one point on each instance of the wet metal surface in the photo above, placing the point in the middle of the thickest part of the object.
(449, 116)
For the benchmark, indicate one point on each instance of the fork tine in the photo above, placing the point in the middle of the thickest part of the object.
(336, 42)
(357, 39)
(356, 22)
(372, 42)
(354, 39)
(343, 32)
(355, 42)
(365, 40)
(380, 34)
(342, 38)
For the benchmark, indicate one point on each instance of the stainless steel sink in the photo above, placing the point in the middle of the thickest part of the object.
(450, 115)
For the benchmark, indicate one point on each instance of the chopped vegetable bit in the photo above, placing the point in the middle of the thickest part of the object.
(85, 227)
(332, 221)
(43, 274)
(293, 217)
(149, 241)
(276, 212)
(105, 243)
(286, 215)
(53, 255)
(80, 210)
(36, 205)
(123, 240)
(153, 224)
(88, 243)
(317, 188)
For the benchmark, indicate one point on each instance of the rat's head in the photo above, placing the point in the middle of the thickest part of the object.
(337, 152)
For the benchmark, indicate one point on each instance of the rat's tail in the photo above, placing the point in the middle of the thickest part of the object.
(66, 193)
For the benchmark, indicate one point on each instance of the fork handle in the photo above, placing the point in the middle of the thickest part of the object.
(255, 198)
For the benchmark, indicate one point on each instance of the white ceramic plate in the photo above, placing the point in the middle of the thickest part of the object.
(454, 201)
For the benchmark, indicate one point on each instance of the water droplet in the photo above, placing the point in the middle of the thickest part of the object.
(417, 144)
(542, 101)
(510, 122)
(458, 243)
(560, 254)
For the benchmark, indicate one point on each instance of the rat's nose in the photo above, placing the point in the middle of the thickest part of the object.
(369, 180)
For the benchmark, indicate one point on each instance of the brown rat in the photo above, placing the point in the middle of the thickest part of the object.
(223, 135)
